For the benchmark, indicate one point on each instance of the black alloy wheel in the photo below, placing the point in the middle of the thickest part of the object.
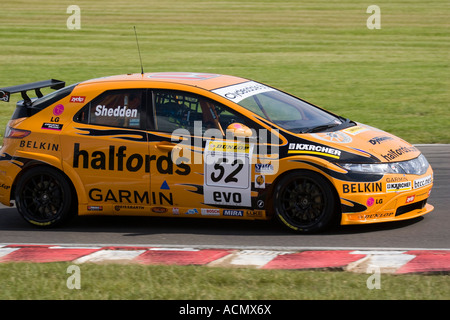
(304, 202)
(44, 197)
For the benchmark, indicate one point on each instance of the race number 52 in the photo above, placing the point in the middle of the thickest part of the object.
(227, 174)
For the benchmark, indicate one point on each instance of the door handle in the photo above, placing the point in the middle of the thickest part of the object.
(168, 146)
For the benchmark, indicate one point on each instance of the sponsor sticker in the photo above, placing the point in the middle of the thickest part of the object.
(398, 186)
(95, 208)
(52, 126)
(302, 148)
(419, 183)
(77, 99)
(379, 140)
(355, 130)
(58, 110)
(241, 91)
(264, 168)
(210, 212)
(393, 154)
(260, 181)
(223, 146)
(233, 213)
(410, 199)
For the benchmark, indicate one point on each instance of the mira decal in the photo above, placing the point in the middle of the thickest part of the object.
(301, 148)
(241, 91)
(118, 159)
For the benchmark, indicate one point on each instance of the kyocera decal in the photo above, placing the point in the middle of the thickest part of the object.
(118, 159)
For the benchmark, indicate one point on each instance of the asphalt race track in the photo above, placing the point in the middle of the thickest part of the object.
(427, 232)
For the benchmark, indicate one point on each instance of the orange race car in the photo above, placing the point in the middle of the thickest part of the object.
(201, 145)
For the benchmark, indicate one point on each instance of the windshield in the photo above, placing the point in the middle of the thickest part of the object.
(282, 109)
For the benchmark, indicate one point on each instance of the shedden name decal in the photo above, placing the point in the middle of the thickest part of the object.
(115, 112)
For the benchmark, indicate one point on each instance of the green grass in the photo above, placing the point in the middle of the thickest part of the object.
(395, 78)
(115, 281)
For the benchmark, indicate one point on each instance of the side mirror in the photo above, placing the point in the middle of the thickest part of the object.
(240, 130)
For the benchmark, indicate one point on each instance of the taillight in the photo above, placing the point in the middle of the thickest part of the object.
(13, 133)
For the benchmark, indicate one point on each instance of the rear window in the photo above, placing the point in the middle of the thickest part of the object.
(51, 98)
(41, 103)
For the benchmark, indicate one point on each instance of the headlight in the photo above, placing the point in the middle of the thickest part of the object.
(417, 166)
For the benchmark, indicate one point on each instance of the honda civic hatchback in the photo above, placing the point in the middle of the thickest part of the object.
(201, 145)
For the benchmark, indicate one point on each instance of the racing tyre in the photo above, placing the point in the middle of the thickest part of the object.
(44, 197)
(304, 202)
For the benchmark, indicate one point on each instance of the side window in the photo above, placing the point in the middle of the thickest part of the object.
(176, 109)
(116, 108)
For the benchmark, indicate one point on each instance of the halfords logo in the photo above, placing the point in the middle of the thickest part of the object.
(392, 154)
(313, 149)
(119, 160)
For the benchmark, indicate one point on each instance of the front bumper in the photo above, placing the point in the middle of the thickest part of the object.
(405, 199)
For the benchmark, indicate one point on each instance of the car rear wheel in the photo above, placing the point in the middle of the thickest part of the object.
(44, 197)
(304, 202)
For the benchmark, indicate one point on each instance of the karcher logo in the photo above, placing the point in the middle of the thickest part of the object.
(302, 148)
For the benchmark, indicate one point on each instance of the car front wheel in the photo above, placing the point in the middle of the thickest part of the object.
(304, 202)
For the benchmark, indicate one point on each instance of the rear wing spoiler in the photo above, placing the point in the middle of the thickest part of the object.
(5, 93)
